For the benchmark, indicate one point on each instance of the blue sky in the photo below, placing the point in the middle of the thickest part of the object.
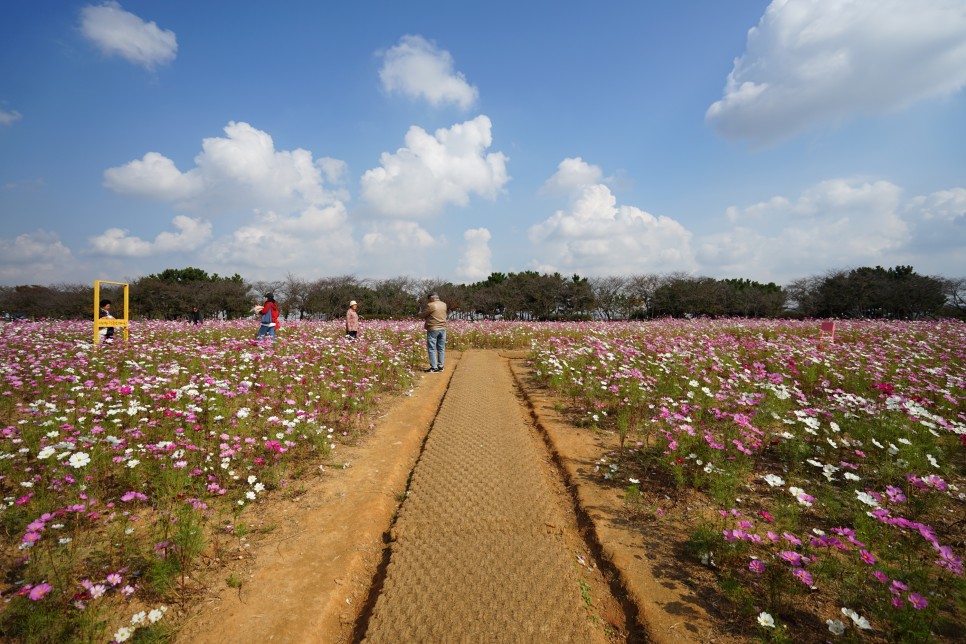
(766, 140)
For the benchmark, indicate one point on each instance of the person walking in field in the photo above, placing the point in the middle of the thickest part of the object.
(434, 314)
(268, 319)
(352, 320)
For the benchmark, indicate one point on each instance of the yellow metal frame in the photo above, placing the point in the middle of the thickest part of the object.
(99, 322)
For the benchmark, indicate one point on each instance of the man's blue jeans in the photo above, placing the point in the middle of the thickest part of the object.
(436, 346)
(264, 330)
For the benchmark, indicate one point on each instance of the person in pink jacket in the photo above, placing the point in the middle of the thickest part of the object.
(352, 320)
(268, 317)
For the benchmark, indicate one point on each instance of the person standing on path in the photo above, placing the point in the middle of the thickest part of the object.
(269, 318)
(352, 320)
(434, 314)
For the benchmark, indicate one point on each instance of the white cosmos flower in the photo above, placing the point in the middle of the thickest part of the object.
(857, 619)
(123, 634)
(773, 480)
(766, 620)
(156, 614)
(46, 452)
(836, 626)
(79, 460)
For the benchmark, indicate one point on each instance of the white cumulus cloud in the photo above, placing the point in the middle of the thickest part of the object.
(814, 61)
(316, 241)
(293, 204)
(419, 69)
(190, 235)
(399, 248)
(939, 224)
(599, 237)
(38, 257)
(573, 174)
(241, 170)
(9, 117)
(835, 224)
(476, 263)
(154, 176)
(117, 32)
(433, 171)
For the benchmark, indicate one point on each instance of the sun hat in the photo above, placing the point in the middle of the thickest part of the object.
(352, 303)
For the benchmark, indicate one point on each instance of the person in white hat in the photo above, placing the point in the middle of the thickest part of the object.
(352, 320)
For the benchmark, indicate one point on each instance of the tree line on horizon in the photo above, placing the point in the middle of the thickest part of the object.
(876, 292)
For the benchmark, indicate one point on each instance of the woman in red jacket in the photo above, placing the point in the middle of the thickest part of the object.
(269, 318)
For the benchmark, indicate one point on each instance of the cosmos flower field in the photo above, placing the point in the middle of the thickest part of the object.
(832, 471)
(117, 462)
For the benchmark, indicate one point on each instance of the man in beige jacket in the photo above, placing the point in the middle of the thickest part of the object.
(434, 313)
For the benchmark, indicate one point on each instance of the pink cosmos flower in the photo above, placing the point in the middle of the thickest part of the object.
(792, 557)
(918, 601)
(756, 566)
(40, 591)
(867, 557)
(895, 494)
(803, 576)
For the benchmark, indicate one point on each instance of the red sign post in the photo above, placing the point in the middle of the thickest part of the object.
(829, 327)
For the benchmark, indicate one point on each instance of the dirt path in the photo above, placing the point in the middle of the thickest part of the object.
(478, 552)
(470, 513)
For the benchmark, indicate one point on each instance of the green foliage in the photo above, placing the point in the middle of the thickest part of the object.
(703, 541)
(895, 293)
(47, 622)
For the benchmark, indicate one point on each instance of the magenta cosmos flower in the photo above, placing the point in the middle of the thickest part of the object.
(40, 591)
